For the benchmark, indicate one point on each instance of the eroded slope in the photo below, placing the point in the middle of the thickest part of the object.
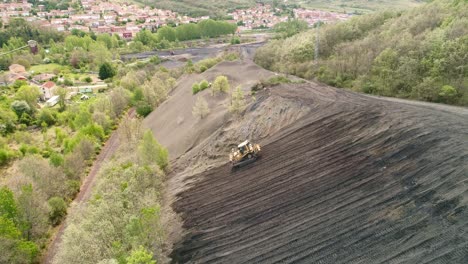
(356, 180)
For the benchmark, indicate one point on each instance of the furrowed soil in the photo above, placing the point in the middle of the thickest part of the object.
(343, 178)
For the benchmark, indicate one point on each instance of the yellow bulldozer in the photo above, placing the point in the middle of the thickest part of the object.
(245, 153)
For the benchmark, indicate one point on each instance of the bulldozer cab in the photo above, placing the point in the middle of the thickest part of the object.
(243, 147)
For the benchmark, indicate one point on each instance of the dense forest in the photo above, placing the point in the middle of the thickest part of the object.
(419, 53)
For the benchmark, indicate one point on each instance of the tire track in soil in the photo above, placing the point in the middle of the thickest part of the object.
(359, 180)
(109, 149)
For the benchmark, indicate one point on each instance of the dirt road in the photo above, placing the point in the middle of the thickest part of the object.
(109, 149)
(358, 180)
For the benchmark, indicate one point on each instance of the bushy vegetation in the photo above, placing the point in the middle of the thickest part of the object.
(419, 54)
(220, 85)
(198, 87)
(149, 88)
(290, 28)
(54, 151)
(208, 63)
(167, 34)
(122, 223)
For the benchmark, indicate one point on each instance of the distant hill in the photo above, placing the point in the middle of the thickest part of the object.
(419, 54)
(221, 7)
(359, 6)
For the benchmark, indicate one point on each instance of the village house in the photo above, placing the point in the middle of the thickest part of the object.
(47, 90)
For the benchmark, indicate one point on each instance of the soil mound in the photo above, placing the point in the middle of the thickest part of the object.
(173, 123)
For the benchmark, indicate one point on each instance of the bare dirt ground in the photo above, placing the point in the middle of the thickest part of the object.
(351, 179)
(106, 153)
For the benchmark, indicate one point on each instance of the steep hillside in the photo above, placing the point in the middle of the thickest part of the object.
(419, 54)
(343, 177)
(355, 180)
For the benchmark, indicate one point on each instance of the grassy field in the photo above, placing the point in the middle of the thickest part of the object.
(46, 68)
(218, 7)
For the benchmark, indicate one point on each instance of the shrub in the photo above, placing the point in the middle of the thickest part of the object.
(20, 107)
(68, 82)
(58, 209)
(4, 156)
(203, 68)
(143, 109)
(201, 108)
(47, 116)
(151, 151)
(26, 119)
(106, 71)
(204, 85)
(275, 80)
(88, 79)
(232, 56)
(56, 159)
(221, 84)
(94, 130)
(206, 64)
(73, 188)
(448, 94)
(238, 101)
(27, 251)
(235, 40)
(195, 88)
(155, 59)
(140, 256)
(137, 96)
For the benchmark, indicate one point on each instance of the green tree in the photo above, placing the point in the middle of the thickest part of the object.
(146, 38)
(290, 28)
(106, 71)
(238, 103)
(8, 119)
(101, 55)
(47, 116)
(8, 206)
(151, 151)
(140, 256)
(32, 214)
(8, 229)
(62, 93)
(195, 88)
(221, 84)
(20, 107)
(106, 39)
(167, 33)
(143, 109)
(29, 94)
(204, 85)
(58, 210)
(448, 94)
